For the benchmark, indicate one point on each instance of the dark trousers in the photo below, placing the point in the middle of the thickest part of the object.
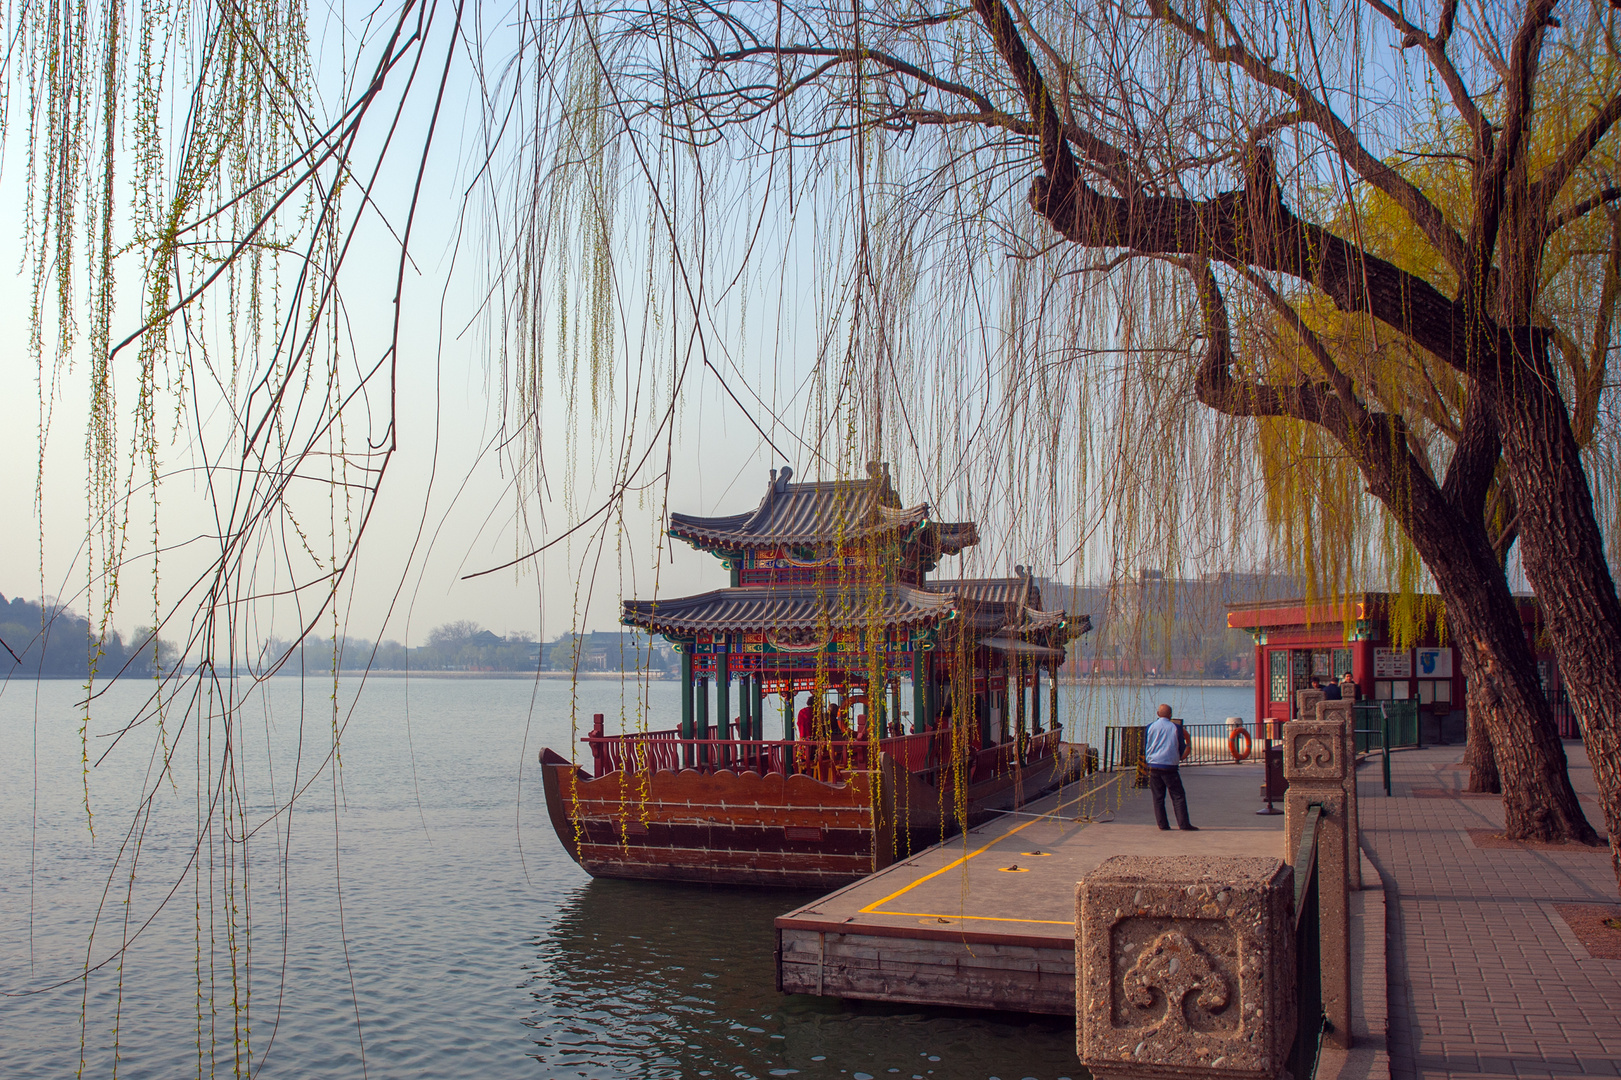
(1160, 781)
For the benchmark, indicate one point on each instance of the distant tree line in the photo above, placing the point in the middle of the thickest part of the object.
(464, 645)
(51, 639)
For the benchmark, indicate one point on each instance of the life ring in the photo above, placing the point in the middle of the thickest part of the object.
(1232, 744)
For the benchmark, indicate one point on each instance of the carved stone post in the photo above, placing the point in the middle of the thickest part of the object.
(1315, 762)
(1306, 702)
(1185, 967)
(1340, 712)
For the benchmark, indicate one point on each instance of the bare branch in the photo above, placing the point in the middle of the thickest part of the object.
(1425, 214)
(1582, 209)
(1558, 172)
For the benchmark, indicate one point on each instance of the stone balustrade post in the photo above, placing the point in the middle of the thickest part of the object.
(1306, 702)
(1185, 968)
(1340, 712)
(1316, 762)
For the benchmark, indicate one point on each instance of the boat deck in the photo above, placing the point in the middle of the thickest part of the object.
(987, 919)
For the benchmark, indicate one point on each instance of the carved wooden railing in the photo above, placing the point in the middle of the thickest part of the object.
(656, 750)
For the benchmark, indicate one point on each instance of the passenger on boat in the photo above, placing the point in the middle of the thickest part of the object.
(840, 725)
(804, 752)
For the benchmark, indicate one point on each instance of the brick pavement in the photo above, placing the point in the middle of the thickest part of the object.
(1484, 979)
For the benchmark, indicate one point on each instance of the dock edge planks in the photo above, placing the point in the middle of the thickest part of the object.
(1004, 971)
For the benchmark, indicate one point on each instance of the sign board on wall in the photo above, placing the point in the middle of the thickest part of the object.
(1392, 664)
(1435, 663)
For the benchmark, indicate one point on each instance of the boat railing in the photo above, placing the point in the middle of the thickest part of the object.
(919, 753)
(636, 752)
(999, 758)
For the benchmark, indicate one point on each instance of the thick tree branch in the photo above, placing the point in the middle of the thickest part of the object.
(1056, 160)
(1490, 182)
(1475, 456)
(1429, 219)
(1377, 442)
(1337, 378)
(1249, 227)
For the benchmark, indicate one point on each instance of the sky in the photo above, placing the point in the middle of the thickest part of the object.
(452, 504)
(448, 506)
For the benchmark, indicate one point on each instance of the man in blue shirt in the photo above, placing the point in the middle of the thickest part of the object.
(1165, 745)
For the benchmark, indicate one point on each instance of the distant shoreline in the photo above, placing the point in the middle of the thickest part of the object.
(1150, 680)
(395, 673)
(659, 676)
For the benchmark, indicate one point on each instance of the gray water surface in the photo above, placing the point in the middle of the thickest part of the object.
(413, 914)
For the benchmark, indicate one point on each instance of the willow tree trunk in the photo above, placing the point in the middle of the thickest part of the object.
(1483, 699)
(1538, 801)
(1563, 554)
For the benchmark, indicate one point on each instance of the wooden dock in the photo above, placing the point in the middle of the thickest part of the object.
(987, 919)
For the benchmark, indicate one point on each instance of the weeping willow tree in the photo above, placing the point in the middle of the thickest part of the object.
(1367, 236)
(224, 210)
(1163, 281)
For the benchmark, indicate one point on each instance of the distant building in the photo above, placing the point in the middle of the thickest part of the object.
(1295, 640)
(1155, 624)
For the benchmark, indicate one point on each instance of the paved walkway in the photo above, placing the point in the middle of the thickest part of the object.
(1485, 980)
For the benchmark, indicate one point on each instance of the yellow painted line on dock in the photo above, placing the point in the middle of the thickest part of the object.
(872, 908)
(977, 918)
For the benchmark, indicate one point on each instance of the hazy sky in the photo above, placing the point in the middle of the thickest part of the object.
(447, 506)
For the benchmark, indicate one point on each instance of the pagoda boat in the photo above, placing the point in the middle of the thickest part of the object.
(830, 604)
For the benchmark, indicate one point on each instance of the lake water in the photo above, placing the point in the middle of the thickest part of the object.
(412, 914)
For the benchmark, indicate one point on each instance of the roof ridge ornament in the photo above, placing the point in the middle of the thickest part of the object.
(779, 478)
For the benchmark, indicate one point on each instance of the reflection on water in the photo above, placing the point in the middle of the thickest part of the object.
(654, 980)
(466, 942)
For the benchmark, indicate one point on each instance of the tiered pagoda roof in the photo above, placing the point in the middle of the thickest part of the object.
(1010, 606)
(845, 512)
(776, 607)
(825, 524)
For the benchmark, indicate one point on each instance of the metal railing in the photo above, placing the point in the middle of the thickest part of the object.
(666, 750)
(1308, 953)
(1399, 720)
(1123, 747)
(1391, 725)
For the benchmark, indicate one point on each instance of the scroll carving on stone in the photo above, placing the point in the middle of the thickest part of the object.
(1184, 968)
(1314, 753)
(1315, 750)
(1174, 967)
(1174, 977)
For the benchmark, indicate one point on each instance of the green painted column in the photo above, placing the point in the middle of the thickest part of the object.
(700, 712)
(745, 701)
(895, 700)
(723, 694)
(917, 692)
(788, 712)
(686, 692)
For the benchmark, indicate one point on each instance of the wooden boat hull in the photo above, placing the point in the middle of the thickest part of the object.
(743, 828)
